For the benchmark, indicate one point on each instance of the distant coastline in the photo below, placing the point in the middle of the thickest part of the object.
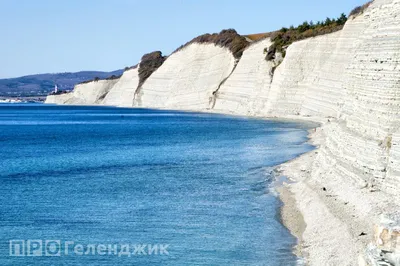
(23, 99)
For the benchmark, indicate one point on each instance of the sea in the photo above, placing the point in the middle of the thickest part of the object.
(97, 185)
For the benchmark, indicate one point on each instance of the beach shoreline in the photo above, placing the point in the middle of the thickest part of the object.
(292, 218)
(333, 220)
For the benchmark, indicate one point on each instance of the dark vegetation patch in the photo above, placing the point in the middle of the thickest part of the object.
(360, 9)
(286, 36)
(95, 79)
(113, 77)
(132, 67)
(90, 80)
(150, 62)
(226, 38)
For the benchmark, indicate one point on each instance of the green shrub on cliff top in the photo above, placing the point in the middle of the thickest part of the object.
(360, 9)
(284, 37)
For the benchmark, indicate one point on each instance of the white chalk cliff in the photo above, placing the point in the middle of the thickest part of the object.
(351, 77)
(246, 91)
(123, 92)
(89, 93)
(187, 79)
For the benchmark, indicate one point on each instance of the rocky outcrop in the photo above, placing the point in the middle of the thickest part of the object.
(187, 79)
(246, 91)
(150, 62)
(123, 91)
(385, 249)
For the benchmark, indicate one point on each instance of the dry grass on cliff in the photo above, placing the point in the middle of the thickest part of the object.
(258, 36)
(226, 38)
(360, 9)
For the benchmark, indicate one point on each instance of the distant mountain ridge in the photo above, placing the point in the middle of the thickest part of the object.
(42, 84)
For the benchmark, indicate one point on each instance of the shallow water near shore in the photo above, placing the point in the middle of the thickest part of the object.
(195, 183)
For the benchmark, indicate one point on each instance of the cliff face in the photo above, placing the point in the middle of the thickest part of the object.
(89, 93)
(299, 73)
(246, 91)
(372, 93)
(123, 91)
(352, 75)
(59, 99)
(187, 79)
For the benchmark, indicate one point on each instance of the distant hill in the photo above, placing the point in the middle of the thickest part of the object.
(42, 84)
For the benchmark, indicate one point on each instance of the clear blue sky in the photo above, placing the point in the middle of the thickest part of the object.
(41, 36)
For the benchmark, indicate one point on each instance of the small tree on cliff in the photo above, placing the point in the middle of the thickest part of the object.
(328, 22)
(303, 27)
(342, 19)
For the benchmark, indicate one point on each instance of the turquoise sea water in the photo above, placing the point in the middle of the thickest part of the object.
(198, 184)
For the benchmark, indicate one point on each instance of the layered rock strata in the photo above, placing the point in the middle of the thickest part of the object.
(123, 91)
(246, 91)
(187, 79)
